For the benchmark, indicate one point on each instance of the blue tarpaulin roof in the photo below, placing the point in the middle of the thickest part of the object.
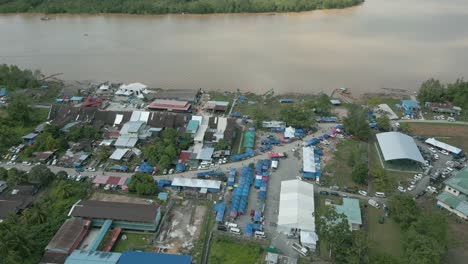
(145, 167)
(131, 257)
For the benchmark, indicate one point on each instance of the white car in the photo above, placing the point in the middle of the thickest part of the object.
(417, 177)
(363, 193)
(431, 189)
(91, 169)
(436, 157)
(444, 152)
(299, 178)
(401, 189)
(413, 182)
(411, 187)
(432, 150)
(449, 163)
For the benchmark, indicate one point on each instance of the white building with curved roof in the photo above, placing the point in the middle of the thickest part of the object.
(398, 146)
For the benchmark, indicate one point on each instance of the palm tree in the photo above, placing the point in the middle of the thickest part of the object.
(63, 190)
(35, 215)
(14, 245)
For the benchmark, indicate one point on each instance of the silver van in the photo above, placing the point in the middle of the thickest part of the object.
(380, 194)
(235, 230)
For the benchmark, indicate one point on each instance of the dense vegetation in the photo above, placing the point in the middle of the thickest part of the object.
(425, 236)
(23, 238)
(434, 91)
(169, 6)
(356, 122)
(165, 148)
(13, 77)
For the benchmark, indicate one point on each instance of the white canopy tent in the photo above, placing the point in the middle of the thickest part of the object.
(297, 208)
(436, 143)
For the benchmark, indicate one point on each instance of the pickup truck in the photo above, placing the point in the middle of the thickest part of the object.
(302, 250)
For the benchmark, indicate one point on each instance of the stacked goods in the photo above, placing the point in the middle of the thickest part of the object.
(232, 177)
(247, 154)
(219, 209)
(241, 193)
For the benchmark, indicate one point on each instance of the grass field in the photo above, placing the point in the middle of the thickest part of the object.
(339, 168)
(225, 250)
(207, 226)
(454, 134)
(133, 241)
(383, 238)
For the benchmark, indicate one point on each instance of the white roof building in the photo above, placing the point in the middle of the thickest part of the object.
(296, 208)
(308, 160)
(196, 183)
(289, 132)
(137, 89)
(434, 142)
(119, 154)
(385, 108)
(396, 146)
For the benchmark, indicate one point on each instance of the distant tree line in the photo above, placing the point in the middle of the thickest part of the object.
(169, 6)
(434, 91)
(13, 77)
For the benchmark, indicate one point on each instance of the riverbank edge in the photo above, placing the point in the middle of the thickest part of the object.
(266, 13)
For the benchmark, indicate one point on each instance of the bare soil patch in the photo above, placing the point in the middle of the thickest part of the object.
(107, 197)
(453, 134)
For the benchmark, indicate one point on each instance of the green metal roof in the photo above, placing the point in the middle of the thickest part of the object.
(192, 126)
(459, 203)
(459, 181)
(351, 209)
(249, 139)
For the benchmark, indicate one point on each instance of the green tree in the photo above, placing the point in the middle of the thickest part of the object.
(405, 127)
(383, 122)
(3, 174)
(334, 228)
(457, 93)
(62, 175)
(222, 144)
(404, 210)
(431, 91)
(356, 123)
(297, 117)
(19, 111)
(142, 184)
(359, 173)
(40, 174)
(259, 116)
(419, 248)
(320, 105)
(165, 162)
(35, 215)
(103, 153)
(352, 158)
(374, 101)
(170, 151)
(63, 190)
(16, 177)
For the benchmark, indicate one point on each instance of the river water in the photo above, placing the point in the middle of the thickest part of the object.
(382, 43)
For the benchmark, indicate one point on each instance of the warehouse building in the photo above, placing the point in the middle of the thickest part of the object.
(297, 211)
(398, 146)
(454, 198)
(170, 105)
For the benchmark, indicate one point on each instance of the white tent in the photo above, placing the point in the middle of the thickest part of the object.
(289, 132)
(296, 209)
(308, 160)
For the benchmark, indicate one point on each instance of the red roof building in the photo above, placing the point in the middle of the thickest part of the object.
(184, 156)
(92, 101)
(169, 105)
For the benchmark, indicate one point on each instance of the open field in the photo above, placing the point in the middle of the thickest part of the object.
(454, 134)
(337, 169)
(225, 250)
(383, 238)
(137, 241)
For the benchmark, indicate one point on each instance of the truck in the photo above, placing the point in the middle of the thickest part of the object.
(277, 155)
(274, 164)
(302, 250)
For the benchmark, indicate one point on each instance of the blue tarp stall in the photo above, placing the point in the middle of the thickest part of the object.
(312, 141)
(249, 153)
(219, 209)
(265, 148)
(242, 98)
(204, 174)
(145, 167)
(180, 167)
(339, 126)
(327, 119)
(250, 228)
(277, 129)
(286, 100)
(236, 114)
(272, 141)
(232, 177)
(164, 183)
(132, 257)
(241, 193)
(258, 167)
(119, 168)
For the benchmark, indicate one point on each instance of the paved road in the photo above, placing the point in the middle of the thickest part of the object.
(433, 121)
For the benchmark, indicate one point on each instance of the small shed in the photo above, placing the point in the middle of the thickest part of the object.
(192, 126)
(335, 102)
(76, 99)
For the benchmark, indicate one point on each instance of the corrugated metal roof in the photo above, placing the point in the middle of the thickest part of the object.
(395, 145)
(192, 126)
(119, 153)
(351, 209)
(297, 208)
(205, 154)
(93, 257)
(436, 143)
(196, 183)
(459, 203)
(126, 142)
(459, 181)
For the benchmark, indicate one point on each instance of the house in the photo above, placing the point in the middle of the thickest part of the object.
(447, 108)
(273, 124)
(29, 138)
(220, 106)
(350, 208)
(136, 89)
(192, 126)
(454, 198)
(44, 157)
(170, 105)
(143, 217)
(76, 99)
(20, 198)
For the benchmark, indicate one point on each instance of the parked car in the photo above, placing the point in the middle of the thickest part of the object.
(171, 171)
(324, 193)
(411, 187)
(432, 150)
(335, 188)
(165, 171)
(436, 157)
(431, 189)
(335, 194)
(417, 177)
(380, 194)
(374, 203)
(90, 169)
(444, 152)
(363, 193)
(401, 189)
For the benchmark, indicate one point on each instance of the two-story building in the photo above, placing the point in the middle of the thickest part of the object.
(454, 198)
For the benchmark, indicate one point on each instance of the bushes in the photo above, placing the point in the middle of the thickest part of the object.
(169, 6)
